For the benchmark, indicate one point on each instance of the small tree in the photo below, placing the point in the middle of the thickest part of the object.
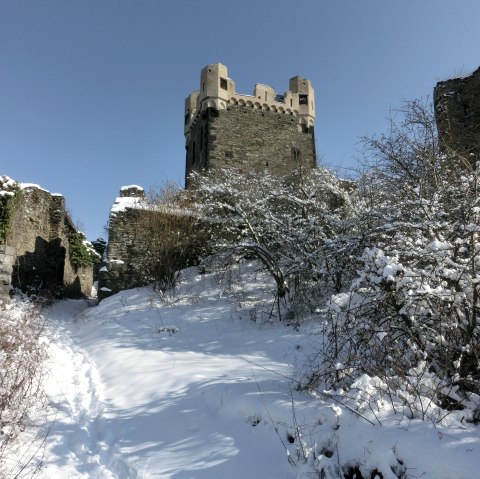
(287, 224)
(22, 361)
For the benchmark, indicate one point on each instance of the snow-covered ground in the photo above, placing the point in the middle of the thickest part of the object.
(197, 385)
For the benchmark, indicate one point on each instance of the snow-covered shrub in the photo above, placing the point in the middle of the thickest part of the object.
(410, 317)
(287, 224)
(169, 238)
(22, 357)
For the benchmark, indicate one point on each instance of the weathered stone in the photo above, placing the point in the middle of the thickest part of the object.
(126, 263)
(250, 133)
(5, 268)
(37, 246)
(132, 191)
(6, 250)
(457, 112)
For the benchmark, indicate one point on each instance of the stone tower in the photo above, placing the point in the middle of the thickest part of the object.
(251, 133)
(457, 112)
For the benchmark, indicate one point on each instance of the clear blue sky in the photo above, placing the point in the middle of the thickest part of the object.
(92, 91)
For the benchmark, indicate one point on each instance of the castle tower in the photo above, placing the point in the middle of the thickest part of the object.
(457, 112)
(251, 133)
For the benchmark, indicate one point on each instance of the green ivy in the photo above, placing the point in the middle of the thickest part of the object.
(8, 203)
(80, 255)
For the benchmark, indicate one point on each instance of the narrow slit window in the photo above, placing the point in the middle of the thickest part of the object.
(303, 99)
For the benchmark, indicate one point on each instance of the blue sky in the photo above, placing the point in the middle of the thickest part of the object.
(92, 91)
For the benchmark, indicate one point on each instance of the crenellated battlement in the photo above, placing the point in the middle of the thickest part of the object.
(250, 133)
(217, 91)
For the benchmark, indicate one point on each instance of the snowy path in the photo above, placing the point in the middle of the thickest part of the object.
(182, 388)
(77, 440)
(143, 389)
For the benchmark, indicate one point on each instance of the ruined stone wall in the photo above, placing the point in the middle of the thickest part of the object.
(250, 140)
(7, 260)
(38, 234)
(457, 112)
(125, 249)
(145, 244)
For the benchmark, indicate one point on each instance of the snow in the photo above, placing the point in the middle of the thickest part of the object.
(122, 203)
(192, 384)
(25, 186)
(130, 187)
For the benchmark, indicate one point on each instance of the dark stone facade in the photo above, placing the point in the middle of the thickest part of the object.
(457, 112)
(249, 140)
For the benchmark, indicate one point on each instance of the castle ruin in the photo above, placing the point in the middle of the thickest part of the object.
(223, 129)
(258, 133)
(35, 248)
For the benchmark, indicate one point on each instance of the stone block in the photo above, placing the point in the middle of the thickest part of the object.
(8, 250)
(6, 268)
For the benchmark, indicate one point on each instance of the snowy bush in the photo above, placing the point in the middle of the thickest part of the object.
(22, 356)
(171, 237)
(81, 252)
(287, 224)
(410, 315)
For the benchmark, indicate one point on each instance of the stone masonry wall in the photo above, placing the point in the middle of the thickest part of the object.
(250, 140)
(39, 235)
(457, 112)
(7, 260)
(118, 271)
(145, 244)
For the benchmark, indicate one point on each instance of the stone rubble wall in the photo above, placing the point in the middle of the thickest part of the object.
(118, 270)
(7, 260)
(457, 112)
(140, 244)
(39, 234)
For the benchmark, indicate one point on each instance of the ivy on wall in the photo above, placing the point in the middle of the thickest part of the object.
(8, 201)
(80, 254)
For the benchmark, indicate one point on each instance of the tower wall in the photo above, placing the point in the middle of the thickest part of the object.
(457, 112)
(258, 132)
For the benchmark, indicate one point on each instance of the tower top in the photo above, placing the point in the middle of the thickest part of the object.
(217, 91)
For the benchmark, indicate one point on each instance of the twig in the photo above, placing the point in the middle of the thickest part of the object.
(323, 394)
